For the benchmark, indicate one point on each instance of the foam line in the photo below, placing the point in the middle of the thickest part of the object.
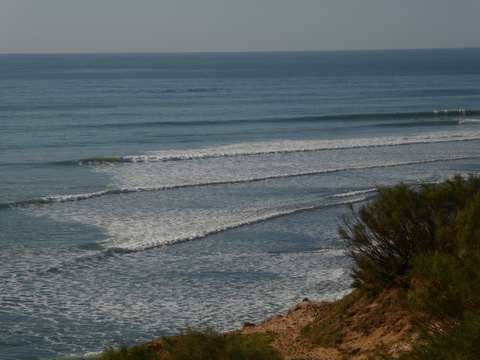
(284, 147)
(58, 199)
(235, 225)
(354, 193)
(469, 121)
(135, 247)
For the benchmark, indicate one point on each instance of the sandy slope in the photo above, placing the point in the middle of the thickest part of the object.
(351, 328)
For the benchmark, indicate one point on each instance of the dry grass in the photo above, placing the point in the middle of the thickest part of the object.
(355, 327)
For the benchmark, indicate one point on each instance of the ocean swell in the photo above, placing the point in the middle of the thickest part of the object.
(288, 146)
(59, 199)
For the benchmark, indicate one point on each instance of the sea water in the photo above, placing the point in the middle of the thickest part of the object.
(141, 193)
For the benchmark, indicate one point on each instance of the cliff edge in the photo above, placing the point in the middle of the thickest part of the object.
(354, 327)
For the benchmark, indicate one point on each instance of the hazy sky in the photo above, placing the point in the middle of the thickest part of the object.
(46, 26)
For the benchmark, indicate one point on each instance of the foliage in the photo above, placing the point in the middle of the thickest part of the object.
(403, 223)
(381, 237)
(446, 288)
(447, 280)
(205, 344)
(460, 343)
(425, 240)
(125, 353)
(210, 345)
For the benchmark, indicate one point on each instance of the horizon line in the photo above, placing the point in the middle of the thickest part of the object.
(235, 51)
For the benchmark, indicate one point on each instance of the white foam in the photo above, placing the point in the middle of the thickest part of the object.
(451, 111)
(288, 146)
(165, 176)
(354, 193)
(138, 177)
(469, 121)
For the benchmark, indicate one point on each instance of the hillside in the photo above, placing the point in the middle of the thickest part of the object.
(354, 327)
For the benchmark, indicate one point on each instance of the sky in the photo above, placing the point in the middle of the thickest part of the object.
(104, 26)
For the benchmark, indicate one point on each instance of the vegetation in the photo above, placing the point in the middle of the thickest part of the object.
(401, 224)
(124, 353)
(426, 241)
(195, 344)
(460, 343)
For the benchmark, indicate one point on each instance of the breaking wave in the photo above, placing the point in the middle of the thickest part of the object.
(58, 199)
(112, 249)
(469, 121)
(288, 146)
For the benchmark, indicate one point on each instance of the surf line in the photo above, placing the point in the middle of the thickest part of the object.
(133, 247)
(329, 145)
(59, 199)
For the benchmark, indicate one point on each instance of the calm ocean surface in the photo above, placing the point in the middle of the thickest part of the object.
(140, 193)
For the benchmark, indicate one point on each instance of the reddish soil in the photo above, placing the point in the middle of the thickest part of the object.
(355, 327)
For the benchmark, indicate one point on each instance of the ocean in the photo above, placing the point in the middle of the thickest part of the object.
(143, 193)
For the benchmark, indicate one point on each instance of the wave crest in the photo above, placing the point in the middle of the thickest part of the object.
(286, 147)
(59, 199)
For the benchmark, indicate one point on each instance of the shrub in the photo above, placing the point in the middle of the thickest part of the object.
(447, 283)
(460, 343)
(210, 345)
(124, 353)
(427, 241)
(444, 290)
(385, 234)
(205, 344)
(195, 344)
(402, 223)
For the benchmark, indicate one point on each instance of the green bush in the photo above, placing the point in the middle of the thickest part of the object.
(402, 223)
(460, 343)
(447, 283)
(427, 241)
(125, 353)
(210, 345)
(447, 280)
(205, 344)
(383, 235)
(444, 290)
